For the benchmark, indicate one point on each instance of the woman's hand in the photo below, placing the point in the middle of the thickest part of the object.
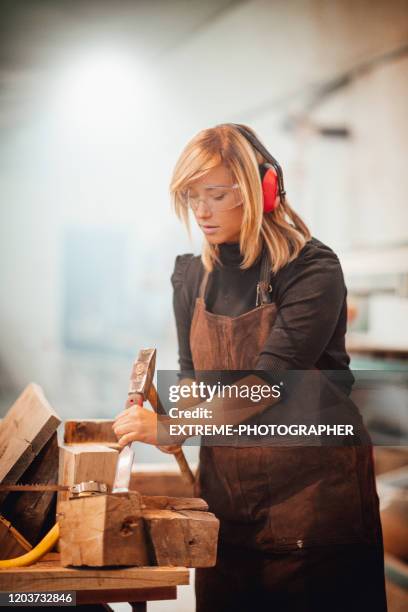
(136, 424)
(139, 424)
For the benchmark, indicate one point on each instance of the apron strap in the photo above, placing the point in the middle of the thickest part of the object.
(263, 287)
(203, 284)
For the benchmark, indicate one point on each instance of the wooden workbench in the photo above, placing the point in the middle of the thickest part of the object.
(136, 585)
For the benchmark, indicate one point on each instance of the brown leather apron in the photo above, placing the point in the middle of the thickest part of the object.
(275, 499)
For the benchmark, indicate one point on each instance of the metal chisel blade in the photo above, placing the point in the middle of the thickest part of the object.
(123, 470)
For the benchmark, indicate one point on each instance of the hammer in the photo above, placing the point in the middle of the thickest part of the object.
(141, 382)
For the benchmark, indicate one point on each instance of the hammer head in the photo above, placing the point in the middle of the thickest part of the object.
(143, 371)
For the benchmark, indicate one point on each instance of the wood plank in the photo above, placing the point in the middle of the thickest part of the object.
(46, 576)
(12, 543)
(83, 462)
(393, 493)
(186, 538)
(95, 431)
(160, 479)
(396, 583)
(162, 502)
(33, 514)
(102, 530)
(112, 596)
(25, 429)
(397, 598)
(387, 458)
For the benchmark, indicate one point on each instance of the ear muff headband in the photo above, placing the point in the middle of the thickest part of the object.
(271, 172)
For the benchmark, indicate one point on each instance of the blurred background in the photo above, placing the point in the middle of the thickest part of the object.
(97, 99)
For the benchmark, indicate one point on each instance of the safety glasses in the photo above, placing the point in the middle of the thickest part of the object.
(217, 198)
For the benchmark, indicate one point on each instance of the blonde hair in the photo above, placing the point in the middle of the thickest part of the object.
(282, 231)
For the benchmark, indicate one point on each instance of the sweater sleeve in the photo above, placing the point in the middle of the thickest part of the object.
(312, 296)
(182, 312)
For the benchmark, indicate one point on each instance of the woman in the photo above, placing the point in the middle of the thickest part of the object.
(299, 527)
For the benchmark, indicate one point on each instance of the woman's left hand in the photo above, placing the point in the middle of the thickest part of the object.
(136, 423)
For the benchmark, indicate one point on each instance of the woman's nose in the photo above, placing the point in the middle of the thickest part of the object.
(203, 210)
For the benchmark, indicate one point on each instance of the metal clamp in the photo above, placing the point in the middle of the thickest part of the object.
(91, 487)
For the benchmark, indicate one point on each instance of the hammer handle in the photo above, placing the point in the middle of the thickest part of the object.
(184, 467)
(179, 455)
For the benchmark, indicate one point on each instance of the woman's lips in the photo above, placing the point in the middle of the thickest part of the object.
(209, 229)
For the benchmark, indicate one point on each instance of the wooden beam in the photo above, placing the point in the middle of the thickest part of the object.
(102, 530)
(25, 429)
(187, 538)
(33, 514)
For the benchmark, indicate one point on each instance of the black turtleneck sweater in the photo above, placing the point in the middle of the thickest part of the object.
(310, 293)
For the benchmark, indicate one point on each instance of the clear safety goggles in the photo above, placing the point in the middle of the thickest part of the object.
(216, 198)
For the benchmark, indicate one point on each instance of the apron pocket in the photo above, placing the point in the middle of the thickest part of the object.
(314, 497)
(232, 482)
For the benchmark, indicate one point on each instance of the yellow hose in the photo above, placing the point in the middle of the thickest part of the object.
(35, 553)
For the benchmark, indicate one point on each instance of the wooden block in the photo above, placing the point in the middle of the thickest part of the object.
(134, 530)
(160, 479)
(102, 530)
(95, 431)
(33, 514)
(187, 538)
(25, 429)
(12, 543)
(83, 462)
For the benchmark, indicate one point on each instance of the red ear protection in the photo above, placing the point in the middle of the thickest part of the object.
(270, 172)
(269, 179)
